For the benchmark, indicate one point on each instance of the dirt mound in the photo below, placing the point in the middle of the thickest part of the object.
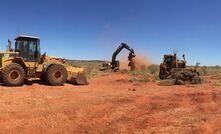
(123, 81)
(166, 82)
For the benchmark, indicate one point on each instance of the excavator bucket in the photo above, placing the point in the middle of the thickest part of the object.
(132, 65)
(76, 76)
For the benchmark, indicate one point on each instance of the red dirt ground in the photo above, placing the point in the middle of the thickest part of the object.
(110, 105)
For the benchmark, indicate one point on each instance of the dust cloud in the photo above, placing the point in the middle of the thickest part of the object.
(140, 62)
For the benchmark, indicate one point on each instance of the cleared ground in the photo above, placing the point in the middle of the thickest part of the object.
(111, 104)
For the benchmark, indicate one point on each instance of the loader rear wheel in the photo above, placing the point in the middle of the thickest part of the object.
(56, 75)
(13, 75)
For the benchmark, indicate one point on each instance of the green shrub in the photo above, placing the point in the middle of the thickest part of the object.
(153, 69)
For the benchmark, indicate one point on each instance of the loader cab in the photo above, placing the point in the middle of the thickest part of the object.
(28, 48)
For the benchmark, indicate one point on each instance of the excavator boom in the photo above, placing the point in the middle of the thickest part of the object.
(115, 63)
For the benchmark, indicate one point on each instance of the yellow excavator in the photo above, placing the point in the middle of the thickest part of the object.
(26, 61)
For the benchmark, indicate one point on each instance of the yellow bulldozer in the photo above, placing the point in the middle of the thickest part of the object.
(174, 69)
(26, 61)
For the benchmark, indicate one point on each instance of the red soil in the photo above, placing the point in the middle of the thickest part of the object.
(108, 106)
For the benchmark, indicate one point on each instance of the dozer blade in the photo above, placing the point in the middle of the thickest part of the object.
(78, 78)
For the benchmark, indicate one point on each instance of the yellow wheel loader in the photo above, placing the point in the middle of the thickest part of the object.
(26, 61)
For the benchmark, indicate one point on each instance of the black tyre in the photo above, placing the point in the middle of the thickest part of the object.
(42, 77)
(13, 75)
(56, 75)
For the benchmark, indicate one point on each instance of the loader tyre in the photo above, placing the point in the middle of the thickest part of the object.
(42, 77)
(56, 75)
(13, 75)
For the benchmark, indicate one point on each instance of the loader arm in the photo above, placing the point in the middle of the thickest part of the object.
(122, 46)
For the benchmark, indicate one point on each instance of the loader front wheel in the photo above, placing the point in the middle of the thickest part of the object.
(56, 75)
(13, 75)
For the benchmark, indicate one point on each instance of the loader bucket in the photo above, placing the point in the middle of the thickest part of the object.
(76, 75)
(78, 78)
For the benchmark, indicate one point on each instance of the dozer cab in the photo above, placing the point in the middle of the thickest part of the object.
(115, 64)
(173, 68)
(26, 61)
(170, 62)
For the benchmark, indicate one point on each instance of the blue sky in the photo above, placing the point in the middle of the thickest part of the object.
(92, 29)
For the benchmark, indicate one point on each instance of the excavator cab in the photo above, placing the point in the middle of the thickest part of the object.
(28, 48)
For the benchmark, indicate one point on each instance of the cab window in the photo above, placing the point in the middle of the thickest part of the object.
(32, 48)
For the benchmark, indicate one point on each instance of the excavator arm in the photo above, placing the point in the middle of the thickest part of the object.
(114, 63)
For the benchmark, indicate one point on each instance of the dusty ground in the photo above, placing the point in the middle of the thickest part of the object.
(109, 105)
